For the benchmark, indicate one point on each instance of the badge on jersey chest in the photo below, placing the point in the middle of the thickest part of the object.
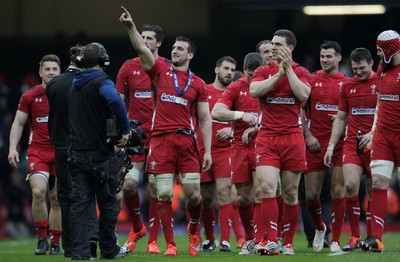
(373, 87)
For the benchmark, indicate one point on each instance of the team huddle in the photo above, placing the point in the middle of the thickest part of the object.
(245, 140)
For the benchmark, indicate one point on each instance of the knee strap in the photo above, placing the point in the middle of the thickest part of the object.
(382, 167)
(190, 178)
(133, 174)
(165, 186)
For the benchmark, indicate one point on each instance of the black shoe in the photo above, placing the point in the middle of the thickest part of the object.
(372, 244)
(93, 248)
(225, 247)
(67, 253)
(55, 249)
(208, 246)
(42, 246)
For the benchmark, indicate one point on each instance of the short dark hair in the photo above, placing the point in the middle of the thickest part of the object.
(288, 35)
(237, 75)
(252, 61)
(263, 42)
(191, 48)
(156, 29)
(50, 58)
(327, 44)
(75, 51)
(360, 54)
(225, 58)
(92, 54)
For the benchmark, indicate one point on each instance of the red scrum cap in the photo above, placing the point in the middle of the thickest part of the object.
(389, 43)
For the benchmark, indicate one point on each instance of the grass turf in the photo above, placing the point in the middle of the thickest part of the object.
(22, 250)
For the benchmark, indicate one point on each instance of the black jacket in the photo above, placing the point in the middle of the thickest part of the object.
(57, 94)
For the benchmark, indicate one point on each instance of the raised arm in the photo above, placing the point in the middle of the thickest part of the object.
(146, 57)
(260, 88)
(300, 90)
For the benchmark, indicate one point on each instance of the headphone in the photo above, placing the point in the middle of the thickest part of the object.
(103, 59)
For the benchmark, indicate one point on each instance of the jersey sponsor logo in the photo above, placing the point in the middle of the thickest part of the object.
(318, 84)
(353, 91)
(389, 97)
(243, 93)
(398, 77)
(42, 119)
(340, 84)
(362, 111)
(280, 100)
(38, 100)
(169, 74)
(174, 99)
(326, 107)
(136, 72)
(142, 94)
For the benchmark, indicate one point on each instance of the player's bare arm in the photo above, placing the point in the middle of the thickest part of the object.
(203, 114)
(146, 56)
(15, 135)
(337, 130)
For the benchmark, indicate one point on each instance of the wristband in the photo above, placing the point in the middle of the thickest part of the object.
(238, 115)
(330, 146)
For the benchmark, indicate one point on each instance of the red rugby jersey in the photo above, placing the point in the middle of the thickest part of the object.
(141, 102)
(213, 96)
(34, 103)
(237, 97)
(358, 99)
(323, 101)
(280, 108)
(389, 101)
(172, 111)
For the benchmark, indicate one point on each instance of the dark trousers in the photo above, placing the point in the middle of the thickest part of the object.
(92, 174)
(63, 193)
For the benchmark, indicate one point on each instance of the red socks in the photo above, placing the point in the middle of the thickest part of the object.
(353, 213)
(379, 208)
(338, 207)
(290, 218)
(314, 207)
(154, 220)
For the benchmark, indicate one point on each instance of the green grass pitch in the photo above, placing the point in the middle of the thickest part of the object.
(22, 250)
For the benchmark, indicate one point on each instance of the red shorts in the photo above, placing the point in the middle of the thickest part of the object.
(386, 146)
(285, 152)
(41, 160)
(350, 156)
(220, 166)
(315, 160)
(142, 157)
(173, 153)
(243, 163)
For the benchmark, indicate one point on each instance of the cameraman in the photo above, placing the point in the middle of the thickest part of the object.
(94, 99)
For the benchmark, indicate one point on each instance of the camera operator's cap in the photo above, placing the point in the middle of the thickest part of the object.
(389, 43)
